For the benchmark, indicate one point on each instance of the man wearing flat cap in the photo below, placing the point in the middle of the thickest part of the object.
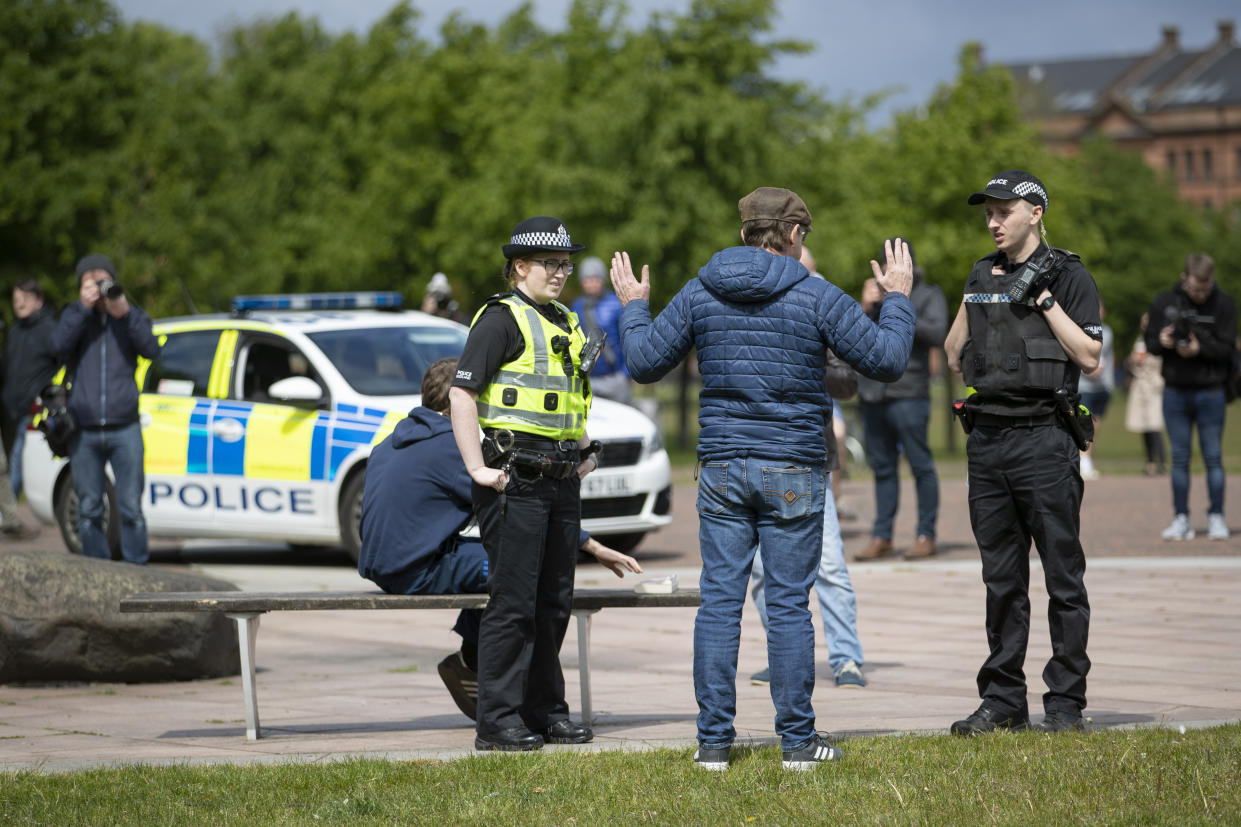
(761, 327)
(1028, 327)
(99, 338)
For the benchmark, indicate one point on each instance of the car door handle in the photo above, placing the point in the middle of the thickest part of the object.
(228, 430)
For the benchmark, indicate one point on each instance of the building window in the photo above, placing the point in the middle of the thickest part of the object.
(1172, 162)
(1207, 172)
(1189, 165)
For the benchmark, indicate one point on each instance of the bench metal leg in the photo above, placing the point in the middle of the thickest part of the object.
(247, 635)
(583, 661)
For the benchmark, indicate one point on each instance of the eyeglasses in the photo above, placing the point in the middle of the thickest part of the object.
(554, 265)
(805, 230)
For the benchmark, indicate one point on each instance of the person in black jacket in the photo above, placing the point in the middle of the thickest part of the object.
(895, 416)
(29, 364)
(1193, 327)
(100, 337)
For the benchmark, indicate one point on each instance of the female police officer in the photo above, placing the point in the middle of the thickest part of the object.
(519, 379)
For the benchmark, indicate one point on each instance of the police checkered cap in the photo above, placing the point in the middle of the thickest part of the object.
(538, 234)
(1010, 184)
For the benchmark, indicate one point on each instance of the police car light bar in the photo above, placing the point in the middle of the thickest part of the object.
(366, 300)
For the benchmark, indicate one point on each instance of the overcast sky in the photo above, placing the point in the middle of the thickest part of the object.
(861, 46)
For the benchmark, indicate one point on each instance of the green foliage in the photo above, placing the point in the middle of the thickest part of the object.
(297, 159)
(1151, 776)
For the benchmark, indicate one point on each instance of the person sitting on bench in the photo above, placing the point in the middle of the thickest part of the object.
(415, 504)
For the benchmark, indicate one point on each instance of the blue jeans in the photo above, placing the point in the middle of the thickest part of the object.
(836, 601)
(461, 571)
(1182, 408)
(743, 503)
(122, 448)
(892, 427)
(15, 460)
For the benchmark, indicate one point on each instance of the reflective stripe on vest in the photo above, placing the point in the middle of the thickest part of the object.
(536, 376)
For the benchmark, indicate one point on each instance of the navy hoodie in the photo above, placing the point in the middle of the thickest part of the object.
(417, 498)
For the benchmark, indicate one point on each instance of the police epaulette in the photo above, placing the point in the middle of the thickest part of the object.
(1068, 254)
(497, 298)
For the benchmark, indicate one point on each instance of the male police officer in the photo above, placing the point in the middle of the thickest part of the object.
(1028, 327)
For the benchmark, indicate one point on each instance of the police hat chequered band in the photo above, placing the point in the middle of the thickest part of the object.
(1014, 184)
(558, 240)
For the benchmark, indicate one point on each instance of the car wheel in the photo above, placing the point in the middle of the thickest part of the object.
(350, 513)
(65, 508)
(624, 543)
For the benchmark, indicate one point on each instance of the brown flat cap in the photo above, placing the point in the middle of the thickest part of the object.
(774, 204)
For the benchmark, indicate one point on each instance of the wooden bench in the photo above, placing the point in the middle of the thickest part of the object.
(246, 608)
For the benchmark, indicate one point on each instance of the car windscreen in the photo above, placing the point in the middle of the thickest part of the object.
(388, 361)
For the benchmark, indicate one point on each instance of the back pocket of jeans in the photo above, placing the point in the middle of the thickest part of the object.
(789, 491)
(713, 487)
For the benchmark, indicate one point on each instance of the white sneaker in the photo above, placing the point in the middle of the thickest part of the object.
(1180, 530)
(1217, 529)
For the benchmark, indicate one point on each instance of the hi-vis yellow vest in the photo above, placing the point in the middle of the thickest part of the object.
(532, 394)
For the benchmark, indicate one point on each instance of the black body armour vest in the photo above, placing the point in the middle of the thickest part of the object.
(1011, 358)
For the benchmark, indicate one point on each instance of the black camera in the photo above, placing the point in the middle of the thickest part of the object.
(1032, 277)
(1182, 319)
(109, 288)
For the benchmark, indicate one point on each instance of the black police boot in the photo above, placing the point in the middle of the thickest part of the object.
(989, 719)
(567, 732)
(1061, 720)
(513, 739)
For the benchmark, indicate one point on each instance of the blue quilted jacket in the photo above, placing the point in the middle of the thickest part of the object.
(760, 325)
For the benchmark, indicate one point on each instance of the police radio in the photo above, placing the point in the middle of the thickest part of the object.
(1032, 276)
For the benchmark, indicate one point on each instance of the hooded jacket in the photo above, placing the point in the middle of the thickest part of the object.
(930, 328)
(761, 325)
(29, 361)
(101, 354)
(417, 497)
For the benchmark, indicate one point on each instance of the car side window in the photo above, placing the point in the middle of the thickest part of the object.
(183, 366)
(267, 362)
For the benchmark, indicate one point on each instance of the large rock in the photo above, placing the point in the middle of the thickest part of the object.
(60, 620)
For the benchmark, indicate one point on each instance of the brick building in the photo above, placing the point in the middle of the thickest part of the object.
(1181, 109)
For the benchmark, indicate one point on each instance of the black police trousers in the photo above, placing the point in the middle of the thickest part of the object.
(1024, 484)
(531, 537)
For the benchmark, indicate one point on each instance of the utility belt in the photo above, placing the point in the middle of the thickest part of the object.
(537, 456)
(1070, 415)
(999, 421)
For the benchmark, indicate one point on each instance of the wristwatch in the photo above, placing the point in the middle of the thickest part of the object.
(1047, 304)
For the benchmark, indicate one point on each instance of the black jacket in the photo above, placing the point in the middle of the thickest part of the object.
(1213, 323)
(101, 354)
(930, 328)
(29, 361)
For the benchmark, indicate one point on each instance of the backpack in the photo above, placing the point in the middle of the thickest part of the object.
(56, 420)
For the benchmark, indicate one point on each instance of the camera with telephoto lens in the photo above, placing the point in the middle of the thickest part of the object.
(1033, 276)
(109, 288)
(1182, 318)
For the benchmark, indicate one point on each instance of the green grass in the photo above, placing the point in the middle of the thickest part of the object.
(1116, 450)
(1151, 776)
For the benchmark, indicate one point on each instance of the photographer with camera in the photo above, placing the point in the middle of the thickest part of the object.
(1027, 328)
(1193, 327)
(99, 338)
(438, 300)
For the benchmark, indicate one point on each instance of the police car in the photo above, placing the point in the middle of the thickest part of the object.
(258, 425)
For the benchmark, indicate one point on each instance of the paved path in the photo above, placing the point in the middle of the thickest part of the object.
(1164, 642)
